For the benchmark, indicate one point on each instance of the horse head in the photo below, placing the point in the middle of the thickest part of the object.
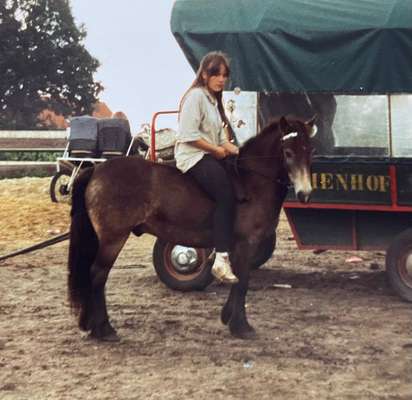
(297, 153)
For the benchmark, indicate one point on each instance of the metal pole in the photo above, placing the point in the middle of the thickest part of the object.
(153, 132)
(41, 245)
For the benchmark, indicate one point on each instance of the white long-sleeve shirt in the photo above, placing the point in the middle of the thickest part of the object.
(199, 119)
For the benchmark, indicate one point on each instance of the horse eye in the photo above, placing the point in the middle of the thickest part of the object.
(288, 153)
(307, 149)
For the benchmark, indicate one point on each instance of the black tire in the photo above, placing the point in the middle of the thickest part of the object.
(399, 264)
(264, 252)
(185, 278)
(58, 187)
(139, 148)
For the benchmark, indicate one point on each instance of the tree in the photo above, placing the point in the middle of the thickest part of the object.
(43, 63)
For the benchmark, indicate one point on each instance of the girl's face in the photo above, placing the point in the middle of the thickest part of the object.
(216, 83)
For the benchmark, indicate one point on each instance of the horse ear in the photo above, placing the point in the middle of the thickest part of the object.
(311, 121)
(284, 125)
(311, 124)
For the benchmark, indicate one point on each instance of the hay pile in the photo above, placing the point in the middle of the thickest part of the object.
(27, 215)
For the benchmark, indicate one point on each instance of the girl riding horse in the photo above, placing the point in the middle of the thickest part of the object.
(200, 149)
(129, 194)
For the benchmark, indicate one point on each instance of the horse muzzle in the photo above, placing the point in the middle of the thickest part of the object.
(301, 179)
(303, 196)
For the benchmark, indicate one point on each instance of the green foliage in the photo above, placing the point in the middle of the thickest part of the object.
(30, 155)
(43, 63)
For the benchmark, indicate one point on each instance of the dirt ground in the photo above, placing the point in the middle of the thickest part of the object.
(339, 332)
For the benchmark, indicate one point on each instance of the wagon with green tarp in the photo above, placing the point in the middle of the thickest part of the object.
(350, 63)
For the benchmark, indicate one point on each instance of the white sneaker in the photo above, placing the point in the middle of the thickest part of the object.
(222, 270)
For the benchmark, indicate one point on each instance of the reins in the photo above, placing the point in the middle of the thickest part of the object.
(234, 161)
(254, 157)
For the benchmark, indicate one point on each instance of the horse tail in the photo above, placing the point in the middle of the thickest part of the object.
(82, 250)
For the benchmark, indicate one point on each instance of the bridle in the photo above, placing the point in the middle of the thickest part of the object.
(234, 161)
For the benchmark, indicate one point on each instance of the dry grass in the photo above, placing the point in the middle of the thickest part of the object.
(27, 215)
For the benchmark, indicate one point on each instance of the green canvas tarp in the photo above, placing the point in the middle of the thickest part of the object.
(339, 46)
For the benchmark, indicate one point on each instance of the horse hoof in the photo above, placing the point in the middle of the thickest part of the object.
(245, 333)
(105, 333)
(111, 337)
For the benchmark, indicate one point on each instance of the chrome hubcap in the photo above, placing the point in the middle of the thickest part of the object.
(408, 267)
(184, 259)
(62, 188)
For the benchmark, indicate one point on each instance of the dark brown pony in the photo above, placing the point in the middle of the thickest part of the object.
(130, 194)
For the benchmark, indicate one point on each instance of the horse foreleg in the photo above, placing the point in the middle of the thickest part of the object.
(238, 324)
(98, 318)
(234, 311)
(227, 309)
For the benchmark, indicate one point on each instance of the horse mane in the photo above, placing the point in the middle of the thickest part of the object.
(273, 125)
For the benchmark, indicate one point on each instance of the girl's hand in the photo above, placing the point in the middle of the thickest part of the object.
(220, 153)
(231, 149)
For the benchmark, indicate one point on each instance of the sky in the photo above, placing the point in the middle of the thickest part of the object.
(142, 67)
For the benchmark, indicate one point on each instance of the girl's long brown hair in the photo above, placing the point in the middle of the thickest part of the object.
(210, 64)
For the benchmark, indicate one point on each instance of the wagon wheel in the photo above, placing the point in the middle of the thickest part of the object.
(59, 192)
(399, 264)
(182, 268)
